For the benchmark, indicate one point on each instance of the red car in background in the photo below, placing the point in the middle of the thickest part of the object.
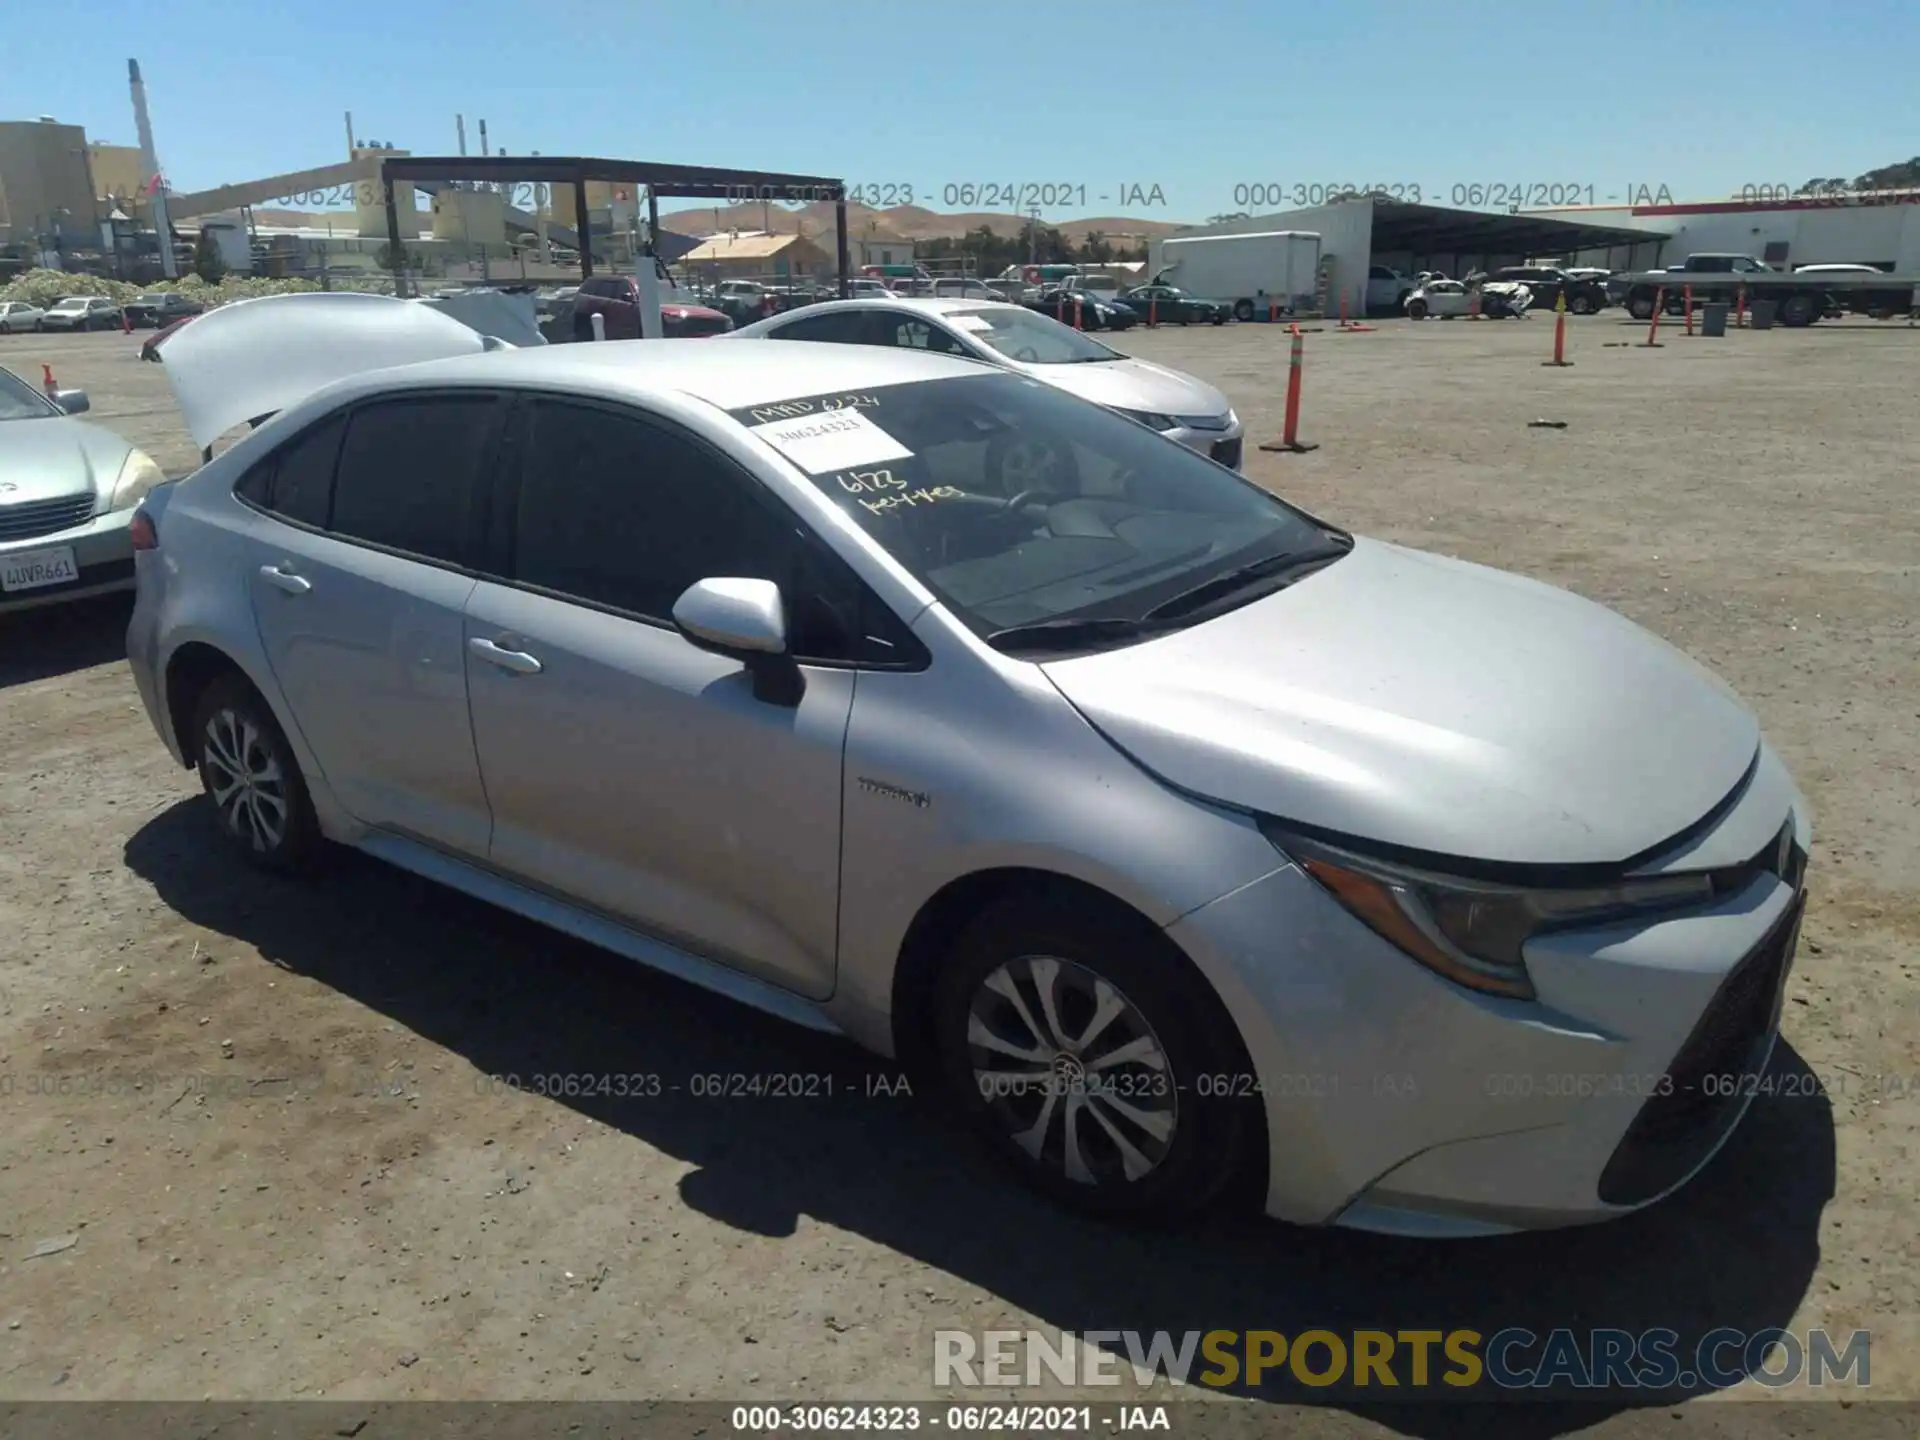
(151, 349)
(617, 298)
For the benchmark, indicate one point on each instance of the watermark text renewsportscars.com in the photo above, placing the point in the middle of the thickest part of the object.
(1437, 1361)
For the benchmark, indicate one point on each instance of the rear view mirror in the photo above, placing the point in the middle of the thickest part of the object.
(73, 402)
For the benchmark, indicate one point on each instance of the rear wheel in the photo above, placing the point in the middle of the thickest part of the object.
(249, 772)
(1243, 310)
(1582, 305)
(1801, 309)
(1640, 307)
(1090, 1057)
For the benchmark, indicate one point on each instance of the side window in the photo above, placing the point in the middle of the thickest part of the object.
(1379, 272)
(842, 327)
(296, 481)
(620, 511)
(409, 470)
(910, 332)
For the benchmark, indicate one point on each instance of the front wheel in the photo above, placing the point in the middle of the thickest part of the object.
(1640, 307)
(1416, 309)
(1582, 305)
(1243, 310)
(249, 772)
(1089, 1055)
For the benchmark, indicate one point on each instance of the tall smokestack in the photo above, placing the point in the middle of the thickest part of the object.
(460, 129)
(150, 162)
(351, 142)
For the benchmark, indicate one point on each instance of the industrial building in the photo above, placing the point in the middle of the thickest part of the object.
(1355, 235)
(48, 196)
(1880, 228)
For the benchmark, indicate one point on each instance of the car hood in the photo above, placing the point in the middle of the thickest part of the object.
(1132, 385)
(44, 459)
(258, 357)
(1428, 703)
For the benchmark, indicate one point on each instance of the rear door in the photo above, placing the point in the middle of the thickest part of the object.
(628, 769)
(361, 599)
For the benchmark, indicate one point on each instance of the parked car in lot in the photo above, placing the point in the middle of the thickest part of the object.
(1584, 297)
(617, 299)
(1170, 305)
(1387, 289)
(17, 315)
(1446, 299)
(1180, 406)
(162, 307)
(150, 349)
(1081, 306)
(67, 491)
(1109, 802)
(82, 312)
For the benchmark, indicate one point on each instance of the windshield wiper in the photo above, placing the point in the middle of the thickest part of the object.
(1272, 572)
(1067, 633)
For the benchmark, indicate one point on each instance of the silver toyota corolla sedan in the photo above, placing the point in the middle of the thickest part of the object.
(1176, 404)
(1177, 835)
(67, 490)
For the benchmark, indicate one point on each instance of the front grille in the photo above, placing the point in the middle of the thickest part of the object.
(1227, 452)
(44, 517)
(1706, 1088)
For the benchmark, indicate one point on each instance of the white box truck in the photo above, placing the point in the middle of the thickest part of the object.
(1245, 272)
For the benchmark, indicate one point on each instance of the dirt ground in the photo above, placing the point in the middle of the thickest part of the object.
(262, 1110)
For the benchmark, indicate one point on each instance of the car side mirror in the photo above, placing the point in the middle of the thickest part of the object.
(73, 402)
(747, 620)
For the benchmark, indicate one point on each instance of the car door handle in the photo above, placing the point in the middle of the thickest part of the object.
(516, 662)
(285, 580)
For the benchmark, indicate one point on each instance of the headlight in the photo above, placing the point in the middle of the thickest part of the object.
(138, 475)
(1470, 931)
(1222, 421)
(1158, 422)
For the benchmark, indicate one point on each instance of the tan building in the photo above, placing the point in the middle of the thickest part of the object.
(724, 257)
(45, 187)
(119, 178)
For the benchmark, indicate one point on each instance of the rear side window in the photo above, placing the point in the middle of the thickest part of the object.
(842, 327)
(296, 481)
(409, 471)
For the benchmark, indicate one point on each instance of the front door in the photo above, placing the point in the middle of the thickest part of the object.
(362, 615)
(628, 769)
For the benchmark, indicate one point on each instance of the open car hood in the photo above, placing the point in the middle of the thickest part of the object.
(257, 357)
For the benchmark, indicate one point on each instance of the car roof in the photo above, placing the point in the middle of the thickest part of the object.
(727, 376)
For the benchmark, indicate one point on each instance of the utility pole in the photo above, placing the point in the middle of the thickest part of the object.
(1033, 235)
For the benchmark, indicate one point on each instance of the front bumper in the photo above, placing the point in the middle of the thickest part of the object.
(1226, 445)
(1398, 1102)
(102, 551)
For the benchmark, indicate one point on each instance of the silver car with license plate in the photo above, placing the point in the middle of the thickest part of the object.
(1182, 407)
(67, 491)
(1176, 835)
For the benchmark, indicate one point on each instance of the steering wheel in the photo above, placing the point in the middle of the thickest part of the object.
(1014, 504)
(1027, 355)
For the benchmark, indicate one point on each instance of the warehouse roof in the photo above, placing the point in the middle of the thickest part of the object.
(1436, 229)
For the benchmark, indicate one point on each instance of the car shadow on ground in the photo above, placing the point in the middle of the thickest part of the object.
(60, 639)
(1737, 1248)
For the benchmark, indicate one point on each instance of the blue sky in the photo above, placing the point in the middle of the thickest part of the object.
(1100, 104)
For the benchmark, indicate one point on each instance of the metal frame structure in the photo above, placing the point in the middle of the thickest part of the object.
(692, 182)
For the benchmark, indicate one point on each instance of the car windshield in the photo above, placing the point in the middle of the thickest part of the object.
(18, 400)
(79, 304)
(150, 300)
(1031, 338)
(1019, 505)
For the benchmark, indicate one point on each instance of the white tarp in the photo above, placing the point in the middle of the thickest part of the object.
(512, 318)
(257, 357)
